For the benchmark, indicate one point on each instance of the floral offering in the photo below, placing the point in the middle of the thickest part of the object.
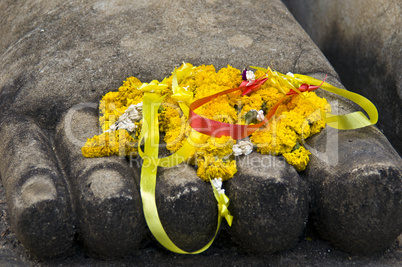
(210, 118)
(296, 119)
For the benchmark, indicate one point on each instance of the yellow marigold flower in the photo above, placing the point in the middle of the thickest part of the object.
(212, 167)
(173, 123)
(218, 147)
(219, 109)
(254, 101)
(299, 158)
(110, 143)
(269, 95)
(229, 77)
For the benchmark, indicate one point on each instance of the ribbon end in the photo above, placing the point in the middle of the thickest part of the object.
(229, 219)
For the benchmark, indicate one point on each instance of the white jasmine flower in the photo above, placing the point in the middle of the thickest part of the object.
(217, 183)
(290, 74)
(260, 115)
(244, 147)
(128, 125)
(112, 128)
(237, 151)
(126, 121)
(250, 76)
(134, 112)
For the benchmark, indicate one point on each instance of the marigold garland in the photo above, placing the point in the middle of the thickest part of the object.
(204, 114)
(295, 120)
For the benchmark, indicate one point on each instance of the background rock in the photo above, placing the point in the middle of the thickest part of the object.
(362, 40)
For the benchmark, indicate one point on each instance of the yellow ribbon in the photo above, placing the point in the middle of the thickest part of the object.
(150, 134)
(183, 97)
(349, 121)
(223, 204)
(154, 86)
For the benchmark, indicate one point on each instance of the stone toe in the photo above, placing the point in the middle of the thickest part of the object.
(186, 206)
(36, 191)
(105, 196)
(269, 204)
(40, 218)
(357, 199)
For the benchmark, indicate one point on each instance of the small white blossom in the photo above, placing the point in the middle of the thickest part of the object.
(244, 147)
(127, 124)
(217, 183)
(126, 121)
(250, 76)
(260, 115)
(134, 112)
(290, 74)
(237, 151)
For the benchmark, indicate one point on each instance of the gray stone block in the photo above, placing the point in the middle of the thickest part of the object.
(105, 196)
(362, 40)
(36, 191)
(269, 204)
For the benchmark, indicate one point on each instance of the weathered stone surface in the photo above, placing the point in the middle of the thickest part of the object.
(106, 198)
(362, 40)
(269, 204)
(36, 191)
(355, 180)
(64, 53)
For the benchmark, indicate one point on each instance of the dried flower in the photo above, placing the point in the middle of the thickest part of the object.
(260, 115)
(127, 120)
(244, 147)
(217, 183)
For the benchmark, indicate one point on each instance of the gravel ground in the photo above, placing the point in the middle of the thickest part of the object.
(309, 252)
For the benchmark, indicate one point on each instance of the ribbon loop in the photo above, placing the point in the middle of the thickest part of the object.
(183, 97)
(349, 121)
(150, 132)
(223, 208)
